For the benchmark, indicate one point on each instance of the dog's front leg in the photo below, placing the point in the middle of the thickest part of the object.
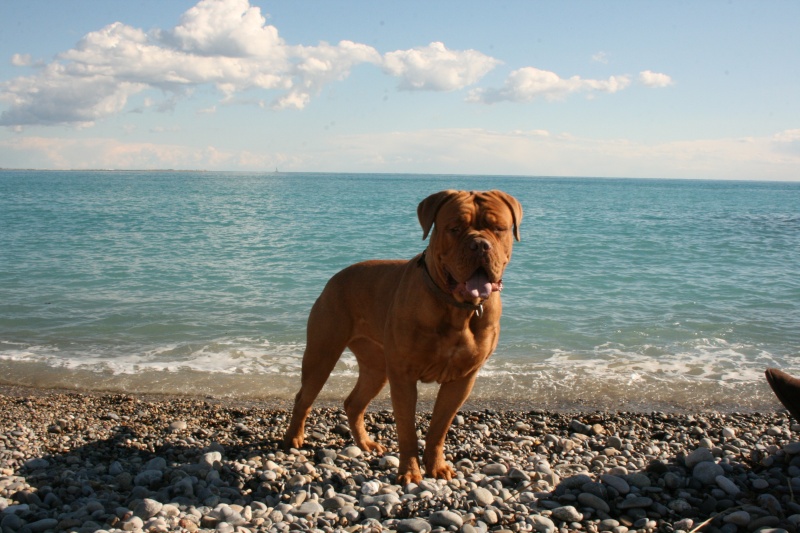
(450, 398)
(404, 404)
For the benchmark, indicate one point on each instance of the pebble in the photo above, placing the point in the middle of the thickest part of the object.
(738, 518)
(707, 472)
(414, 525)
(567, 513)
(727, 485)
(495, 469)
(617, 483)
(446, 519)
(481, 496)
(698, 456)
(197, 465)
(595, 502)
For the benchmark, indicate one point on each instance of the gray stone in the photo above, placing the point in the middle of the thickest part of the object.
(482, 497)
(615, 442)
(156, 463)
(617, 483)
(446, 519)
(352, 452)
(333, 504)
(37, 464)
(638, 480)
(738, 518)
(349, 512)
(148, 478)
(389, 461)
(771, 504)
(414, 525)
(224, 527)
(11, 521)
(211, 460)
(115, 468)
(793, 448)
(590, 500)
(727, 485)
(635, 502)
(698, 456)
(178, 425)
(495, 469)
(308, 508)
(579, 427)
(707, 472)
(373, 512)
(567, 513)
(134, 523)
(43, 525)
(542, 524)
(518, 475)
(148, 508)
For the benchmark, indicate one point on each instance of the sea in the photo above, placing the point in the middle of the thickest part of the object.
(622, 295)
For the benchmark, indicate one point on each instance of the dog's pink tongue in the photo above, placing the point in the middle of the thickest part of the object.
(478, 286)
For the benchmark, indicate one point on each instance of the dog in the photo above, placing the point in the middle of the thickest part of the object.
(435, 318)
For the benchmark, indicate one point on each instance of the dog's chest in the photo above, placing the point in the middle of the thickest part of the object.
(458, 356)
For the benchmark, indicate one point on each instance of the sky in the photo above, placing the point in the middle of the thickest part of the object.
(678, 89)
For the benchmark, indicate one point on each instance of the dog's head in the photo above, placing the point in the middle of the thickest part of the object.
(471, 240)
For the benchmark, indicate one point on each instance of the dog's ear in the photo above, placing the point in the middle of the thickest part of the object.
(427, 209)
(515, 206)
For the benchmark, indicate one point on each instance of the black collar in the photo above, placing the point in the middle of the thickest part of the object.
(443, 295)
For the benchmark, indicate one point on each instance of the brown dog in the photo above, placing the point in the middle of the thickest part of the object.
(434, 318)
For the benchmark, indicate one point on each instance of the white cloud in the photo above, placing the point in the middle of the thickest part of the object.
(436, 68)
(788, 136)
(654, 79)
(788, 142)
(529, 83)
(226, 44)
(21, 60)
(600, 57)
(316, 66)
(232, 29)
(229, 46)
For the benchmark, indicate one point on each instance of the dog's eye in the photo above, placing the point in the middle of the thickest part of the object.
(500, 229)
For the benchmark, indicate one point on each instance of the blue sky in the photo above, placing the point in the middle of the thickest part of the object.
(619, 89)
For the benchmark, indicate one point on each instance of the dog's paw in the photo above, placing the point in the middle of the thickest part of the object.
(293, 442)
(372, 446)
(440, 470)
(409, 477)
(408, 472)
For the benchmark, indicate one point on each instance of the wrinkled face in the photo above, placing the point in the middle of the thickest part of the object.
(471, 244)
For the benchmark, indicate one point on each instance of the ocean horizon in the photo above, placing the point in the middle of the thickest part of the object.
(623, 294)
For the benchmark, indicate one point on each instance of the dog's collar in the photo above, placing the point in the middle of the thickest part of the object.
(443, 295)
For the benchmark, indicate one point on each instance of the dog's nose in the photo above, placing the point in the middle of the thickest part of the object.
(480, 245)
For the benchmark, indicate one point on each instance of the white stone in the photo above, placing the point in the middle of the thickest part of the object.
(567, 513)
(481, 496)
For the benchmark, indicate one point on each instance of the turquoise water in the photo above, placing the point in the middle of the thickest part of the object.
(622, 294)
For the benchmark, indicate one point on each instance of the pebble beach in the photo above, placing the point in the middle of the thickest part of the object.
(114, 462)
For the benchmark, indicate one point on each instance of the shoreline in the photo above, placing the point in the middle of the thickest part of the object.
(93, 461)
(540, 393)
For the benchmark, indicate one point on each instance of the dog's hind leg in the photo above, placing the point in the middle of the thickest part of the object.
(325, 342)
(371, 379)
